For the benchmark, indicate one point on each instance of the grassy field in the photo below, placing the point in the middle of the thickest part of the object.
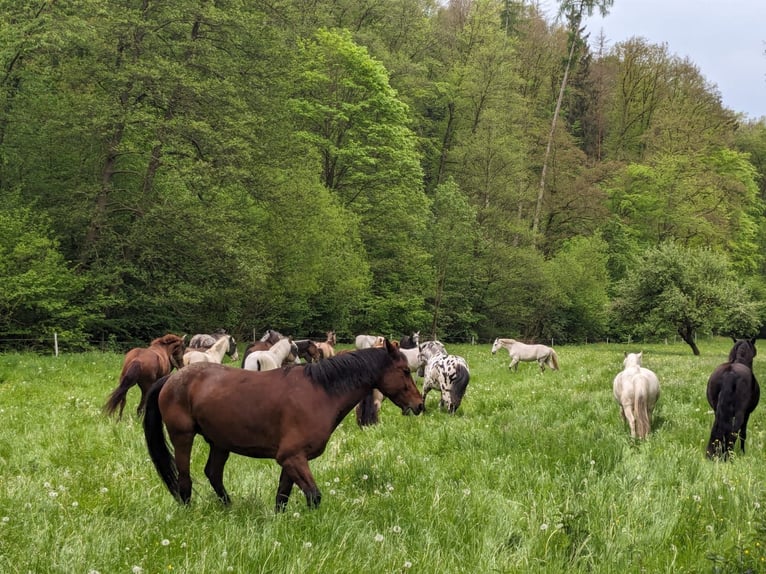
(536, 473)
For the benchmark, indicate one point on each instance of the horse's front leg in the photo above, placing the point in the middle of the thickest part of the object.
(541, 362)
(295, 470)
(514, 366)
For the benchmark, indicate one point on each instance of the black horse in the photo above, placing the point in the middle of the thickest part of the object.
(733, 392)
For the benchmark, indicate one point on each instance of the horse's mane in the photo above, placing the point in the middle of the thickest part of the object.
(349, 370)
(743, 352)
(168, 339)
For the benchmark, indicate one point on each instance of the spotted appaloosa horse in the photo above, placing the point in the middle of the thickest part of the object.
(449, 375)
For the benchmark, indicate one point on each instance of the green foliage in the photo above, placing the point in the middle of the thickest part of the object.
(686, 291)
(41, 294)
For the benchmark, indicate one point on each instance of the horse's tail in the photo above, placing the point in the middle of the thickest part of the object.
(367, 411)
(723, 434)
(459, 386)
(553, 360)
(641, 412)
(155, 439)
(118, 398)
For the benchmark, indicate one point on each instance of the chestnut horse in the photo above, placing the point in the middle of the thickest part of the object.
(142, 366)
(286, 414)
(733, 392)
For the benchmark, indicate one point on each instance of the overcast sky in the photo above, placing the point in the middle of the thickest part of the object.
(725, 40)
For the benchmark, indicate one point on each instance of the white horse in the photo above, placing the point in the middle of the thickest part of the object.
(449, 375)
(226, 345)
(523, 352)
(367, 341)
(273, 357)
(636, 390)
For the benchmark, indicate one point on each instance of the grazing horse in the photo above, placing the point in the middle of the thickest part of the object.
(308, 350)
(449, 375)
(226, 345)
(285, 414)
(636, 390)
(142, 366)
(367, 341)
(282, 350)
(410, 341)
(327, 347)
(523, 352)
(203, 341)
(733, 392)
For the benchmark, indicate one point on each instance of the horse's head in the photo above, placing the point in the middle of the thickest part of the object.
(313, 352)
(294, 355)
(174, 347)
(496, 346)
(416, 338)
(743, 351)
(632, 360)
(331, 338)
(232, 350)
(397, 384)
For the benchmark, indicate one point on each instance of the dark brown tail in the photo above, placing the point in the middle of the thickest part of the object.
(459, 386)
(723, 435)
(159, 451)
(367, 411)
(118, 398)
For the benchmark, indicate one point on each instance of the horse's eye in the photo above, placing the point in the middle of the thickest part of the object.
(408, 372)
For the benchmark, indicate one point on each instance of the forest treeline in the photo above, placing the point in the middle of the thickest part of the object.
(468, 168)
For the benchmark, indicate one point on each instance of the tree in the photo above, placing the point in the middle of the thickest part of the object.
(574, 11)
(673, 289)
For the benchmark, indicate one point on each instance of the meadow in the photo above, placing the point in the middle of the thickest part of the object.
(535, 473)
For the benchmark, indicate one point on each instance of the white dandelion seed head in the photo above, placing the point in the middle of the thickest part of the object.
(396, 529)
(697, 498)
(93, 572)
(137, 570)
(336, 479)
(365, 477)
(378, 537)
(592, 462)
(53, 494)
(756, 505)
(407, 564)
(390, 487)
(709, 528)
(165, 542)
(307, 544)
(103, 490)
(75, 504)
(466, 492)
(296, 514)
(277, 544)
(224, 554)
(332, 491)
(183, 544)
(543, 527)
(230, 568)
(46, 484)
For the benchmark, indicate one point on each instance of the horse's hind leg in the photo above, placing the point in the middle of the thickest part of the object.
(216, 460)
(182, 445)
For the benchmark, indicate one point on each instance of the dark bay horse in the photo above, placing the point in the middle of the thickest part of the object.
(270, 337)
(142, 366)
(308, 350)
(733, 392)
(287, 414)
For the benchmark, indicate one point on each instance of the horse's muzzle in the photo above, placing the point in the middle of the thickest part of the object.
(416, 410)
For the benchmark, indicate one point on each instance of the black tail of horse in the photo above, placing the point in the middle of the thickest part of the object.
(726, 424)
(155, 439)
(367, 411)
(118, 398)
(459, 386)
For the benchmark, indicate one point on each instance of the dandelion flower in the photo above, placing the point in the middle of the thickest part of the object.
(697, 498)
(365, 477)
(396, 529)
(407, 564)
(378, 537)
(165, 542)
(53, 494)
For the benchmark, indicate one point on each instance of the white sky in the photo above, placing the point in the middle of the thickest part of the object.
(726, 40)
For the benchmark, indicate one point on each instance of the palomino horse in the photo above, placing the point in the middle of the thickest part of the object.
(367, 341)
(285, 414)
(523, 352)
(449, 375)
(142, 366)
(203, 341)
(226, 345)
(733, 392)
(410, 341)
(282, 350)
(327, 347)
(636, 390)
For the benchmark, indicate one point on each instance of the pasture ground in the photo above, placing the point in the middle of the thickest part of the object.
(535, 473)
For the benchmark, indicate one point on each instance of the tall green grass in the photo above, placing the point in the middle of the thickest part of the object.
(535, 473)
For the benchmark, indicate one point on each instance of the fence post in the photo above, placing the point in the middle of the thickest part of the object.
(56, 344)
